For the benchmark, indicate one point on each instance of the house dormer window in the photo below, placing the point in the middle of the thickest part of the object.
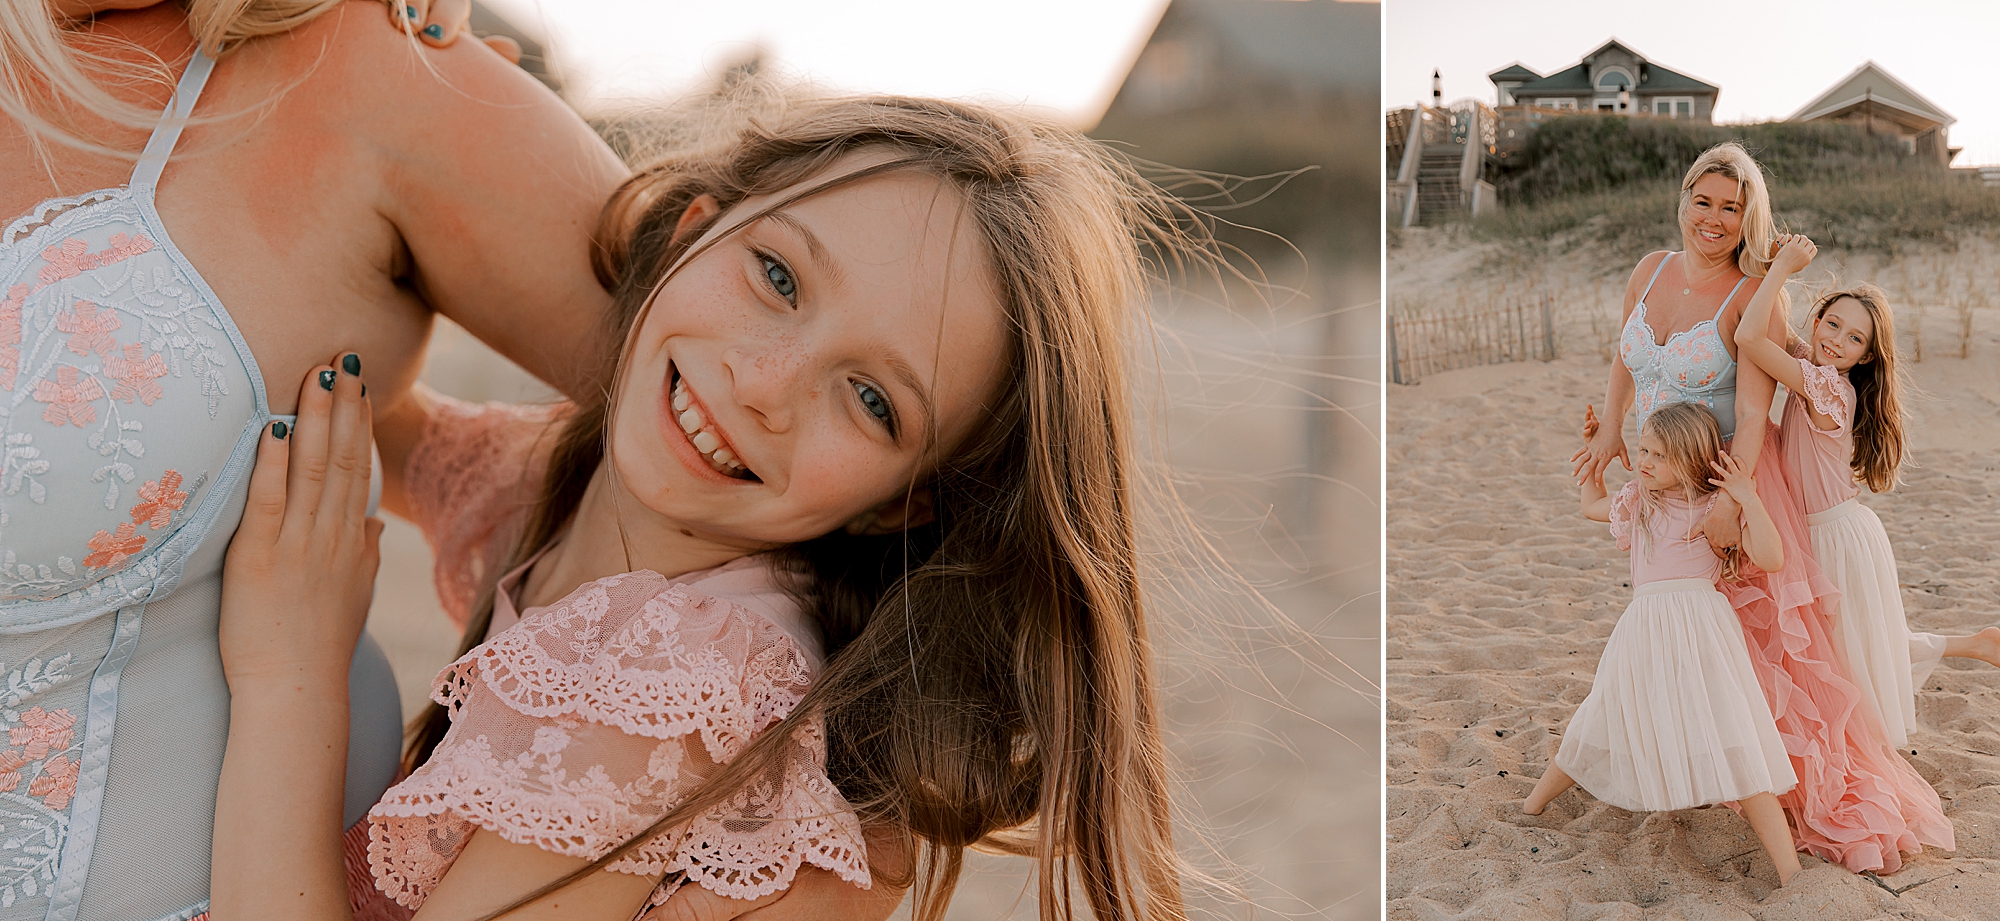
(1611, 81)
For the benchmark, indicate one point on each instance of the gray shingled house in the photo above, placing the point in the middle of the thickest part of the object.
(1614, 79)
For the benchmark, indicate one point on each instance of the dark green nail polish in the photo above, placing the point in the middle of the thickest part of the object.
(279, 430)
(326, 379)
(352, 363)
(410, 12)
(434, 30)
(364, 390)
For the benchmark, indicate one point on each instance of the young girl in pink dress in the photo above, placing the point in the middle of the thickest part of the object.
(1842, 428)
(1675, 717)
(850, 540)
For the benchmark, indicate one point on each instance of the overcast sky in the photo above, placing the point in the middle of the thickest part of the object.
(1769, 56)
(1066, 55)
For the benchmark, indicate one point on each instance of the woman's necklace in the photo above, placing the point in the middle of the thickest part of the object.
(1692, 284)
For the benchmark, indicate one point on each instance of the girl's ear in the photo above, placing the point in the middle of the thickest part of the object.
(699, 214)
(899, 514)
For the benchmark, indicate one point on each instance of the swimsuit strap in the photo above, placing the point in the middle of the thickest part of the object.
(161, 145)
(1656, 277)
(1725, 301)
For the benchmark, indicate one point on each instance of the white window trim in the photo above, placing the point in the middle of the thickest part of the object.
(1670, 102)
(1631, 82)
(1554, 102)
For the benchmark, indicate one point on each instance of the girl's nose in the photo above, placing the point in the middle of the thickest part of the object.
(768, 382)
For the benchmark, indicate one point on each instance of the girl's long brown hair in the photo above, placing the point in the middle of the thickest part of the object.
(989, 679)
(1878, 403)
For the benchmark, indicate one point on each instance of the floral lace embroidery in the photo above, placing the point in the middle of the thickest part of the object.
(579, 726)
(42, 749)
(1831, 394)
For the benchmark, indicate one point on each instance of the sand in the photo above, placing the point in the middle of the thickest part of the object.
(1275, 740)
(1500, 598)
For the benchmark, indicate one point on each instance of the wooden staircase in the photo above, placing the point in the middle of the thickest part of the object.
(1439, 196)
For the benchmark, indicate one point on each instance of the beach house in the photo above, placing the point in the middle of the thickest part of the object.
(1873, 100)
(1614, 79)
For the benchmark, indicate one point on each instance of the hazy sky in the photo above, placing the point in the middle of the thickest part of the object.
(1067, 55)
(1769, 56)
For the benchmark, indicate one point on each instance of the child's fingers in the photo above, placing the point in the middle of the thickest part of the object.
(311, 436)
(408, 15)
(264, 511)
(444, 20)
(505, 47)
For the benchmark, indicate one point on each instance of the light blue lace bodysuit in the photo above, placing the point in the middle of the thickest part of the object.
(1693, 366)
(130, 409)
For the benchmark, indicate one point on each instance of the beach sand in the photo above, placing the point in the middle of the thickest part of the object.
(1501, 596)
(1275, 740)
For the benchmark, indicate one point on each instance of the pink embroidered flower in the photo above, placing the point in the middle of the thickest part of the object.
(67, 259)
(135, 372)
(69, 397)
(57, 782)
(112, 548)
(11, 763)
(42, 731)
(89, 328)
(159, 499)
(10, 334)
(123, 248)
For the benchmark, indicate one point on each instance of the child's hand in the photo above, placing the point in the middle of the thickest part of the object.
(1589, 422)
(1739, 484)
(1794, 253)
(301, 569)
(439, 23)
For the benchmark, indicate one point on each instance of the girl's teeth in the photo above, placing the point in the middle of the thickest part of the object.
(691, 421)
(681, 400)
(706, 442)
(725, 456)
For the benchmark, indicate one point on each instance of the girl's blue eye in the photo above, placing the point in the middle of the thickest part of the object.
(780, 278)
(873, 400)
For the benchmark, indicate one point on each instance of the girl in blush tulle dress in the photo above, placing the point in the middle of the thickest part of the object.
(851, 541)
(1675, 717)
(1842, 428)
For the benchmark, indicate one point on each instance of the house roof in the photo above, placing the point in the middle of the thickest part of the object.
(1329, 43)
(1575, 79)
(1513, 71)
(1870, 82)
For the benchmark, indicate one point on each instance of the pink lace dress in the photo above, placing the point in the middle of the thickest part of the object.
(578, 726)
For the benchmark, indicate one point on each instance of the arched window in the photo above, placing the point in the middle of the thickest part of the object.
(1613, 81)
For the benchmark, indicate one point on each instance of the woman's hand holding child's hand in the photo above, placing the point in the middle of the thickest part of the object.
(301, 570)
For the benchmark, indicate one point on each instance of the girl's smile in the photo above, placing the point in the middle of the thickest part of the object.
(702, 437)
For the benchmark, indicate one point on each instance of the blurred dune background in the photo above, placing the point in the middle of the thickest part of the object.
(1267, 388)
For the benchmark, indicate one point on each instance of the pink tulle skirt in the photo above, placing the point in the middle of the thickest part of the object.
(1857, 803)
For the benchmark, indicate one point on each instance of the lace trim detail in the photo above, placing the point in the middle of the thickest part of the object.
(1830, 394)
(45, 212)
(463, 479)
(575, 730)
(1625, 513)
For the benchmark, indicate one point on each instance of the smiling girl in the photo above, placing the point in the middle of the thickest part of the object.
(1845, 429)
(851, 539)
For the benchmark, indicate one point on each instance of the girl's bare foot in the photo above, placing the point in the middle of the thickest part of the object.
(1984, 646)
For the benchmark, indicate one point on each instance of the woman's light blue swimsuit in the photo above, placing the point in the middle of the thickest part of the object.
(1693, 366)
(130, 410)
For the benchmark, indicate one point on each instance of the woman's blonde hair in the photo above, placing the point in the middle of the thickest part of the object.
(990, 679)
(53, 77)
(1759, 228)
(1878, 409)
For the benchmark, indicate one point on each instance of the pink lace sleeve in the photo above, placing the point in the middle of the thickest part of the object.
(579, 727)
(1830, 394)
(466, 481)
(1625, 511)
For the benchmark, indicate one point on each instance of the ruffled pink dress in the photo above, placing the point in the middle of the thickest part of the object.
(1857, 804)
(576, 726)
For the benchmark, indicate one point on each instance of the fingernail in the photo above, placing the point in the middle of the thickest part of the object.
(326, 379)
(364, 390)
(279, 430)
(352, 363)
(410, 12)
(434, 30)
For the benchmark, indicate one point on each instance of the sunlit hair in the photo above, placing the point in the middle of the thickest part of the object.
(53, 77)
(989, 679)
(1878, 404)
(1759, 230)
(1692, 439)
